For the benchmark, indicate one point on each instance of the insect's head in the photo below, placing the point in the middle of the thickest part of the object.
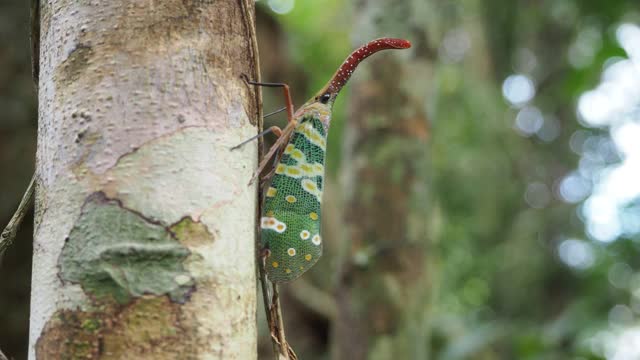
(326, 97)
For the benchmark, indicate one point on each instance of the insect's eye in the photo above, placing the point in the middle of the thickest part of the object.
(324, 98)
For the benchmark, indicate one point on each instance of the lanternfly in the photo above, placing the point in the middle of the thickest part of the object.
(291, 241)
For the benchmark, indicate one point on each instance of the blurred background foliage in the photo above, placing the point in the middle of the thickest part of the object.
(483, 197)
(18, 125)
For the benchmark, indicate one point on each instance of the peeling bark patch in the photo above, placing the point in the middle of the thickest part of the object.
(113, 252)
(144, 329)
(192, 233)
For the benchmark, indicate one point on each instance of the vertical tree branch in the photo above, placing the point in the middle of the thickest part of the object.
(9, 232)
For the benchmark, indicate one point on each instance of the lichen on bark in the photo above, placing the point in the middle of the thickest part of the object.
(191, 232)
(115, 252)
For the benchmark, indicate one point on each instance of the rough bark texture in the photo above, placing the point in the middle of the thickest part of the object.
(383, 294)
(144, 225)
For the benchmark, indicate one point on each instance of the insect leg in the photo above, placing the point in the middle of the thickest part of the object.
(274, 129)
(285, 89)
(270, 174)
(275, 112)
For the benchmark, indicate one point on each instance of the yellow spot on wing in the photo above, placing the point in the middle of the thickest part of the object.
(291, 252)
(309, 185)
(313, 136)
(290, 199)
(318, 139)
(289, 149)
(307, 257)
(292, 170)
(297, 154)
(280, 169)
(275, 264)
(288, 271)
(313, 216)
(271, 192)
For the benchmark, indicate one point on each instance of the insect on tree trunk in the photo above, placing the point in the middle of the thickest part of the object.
(144, 225)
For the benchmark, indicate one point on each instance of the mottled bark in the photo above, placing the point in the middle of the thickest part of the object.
(144, 225)
(384, 288)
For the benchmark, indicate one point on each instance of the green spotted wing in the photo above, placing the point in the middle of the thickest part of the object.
(291, 213)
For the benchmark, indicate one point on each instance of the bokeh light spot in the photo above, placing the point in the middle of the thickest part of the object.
(577, 254)
(518, 89)
(574, 188)
(281, 6)
(529, 120)
(455, 45)
(537, 195)
(620, 315)
(628, 36)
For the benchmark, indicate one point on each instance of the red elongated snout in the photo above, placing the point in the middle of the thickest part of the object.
(347, 68)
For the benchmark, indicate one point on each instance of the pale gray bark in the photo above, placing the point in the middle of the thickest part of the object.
(144, 236)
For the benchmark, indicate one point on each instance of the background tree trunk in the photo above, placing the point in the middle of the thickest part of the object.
(395, 279)
(144, 225)
(383, 296)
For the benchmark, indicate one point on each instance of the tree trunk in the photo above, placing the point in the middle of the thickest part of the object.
(144, 225)
(384, 291)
